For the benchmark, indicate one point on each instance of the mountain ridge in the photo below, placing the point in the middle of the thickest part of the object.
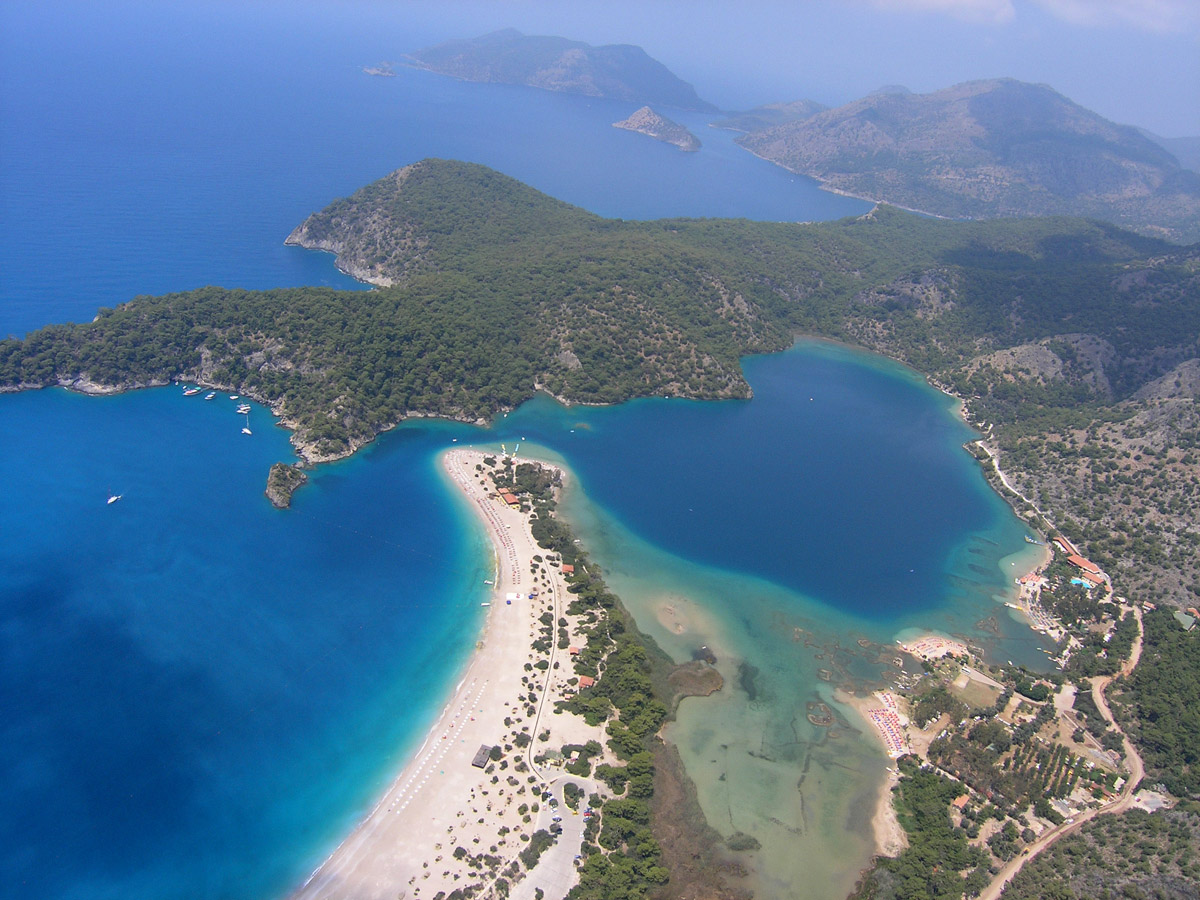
(990, 148)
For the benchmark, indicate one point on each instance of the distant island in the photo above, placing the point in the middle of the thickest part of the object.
(384, 70)
(646, 121)
(613, 71)
(984, 149)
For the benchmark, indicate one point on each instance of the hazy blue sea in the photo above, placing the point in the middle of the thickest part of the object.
(200, 693)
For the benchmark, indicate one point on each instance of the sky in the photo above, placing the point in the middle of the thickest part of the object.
(1136, 62)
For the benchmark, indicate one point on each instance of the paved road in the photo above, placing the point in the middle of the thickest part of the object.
(1119, 804)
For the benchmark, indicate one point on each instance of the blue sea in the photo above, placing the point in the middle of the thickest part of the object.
(201, 694)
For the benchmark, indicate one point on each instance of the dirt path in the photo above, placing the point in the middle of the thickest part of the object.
(1118, 804)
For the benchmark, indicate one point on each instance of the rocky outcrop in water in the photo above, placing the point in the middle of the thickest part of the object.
(646, 121)
(283, 481)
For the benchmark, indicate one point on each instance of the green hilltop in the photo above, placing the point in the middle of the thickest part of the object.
(1061, 334)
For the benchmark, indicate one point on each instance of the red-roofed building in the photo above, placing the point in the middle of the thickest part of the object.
(574, 651)
(1066, 546)
(510, 499)
(960, 801)
(568, 569)
(1086, 565)
(586, 681)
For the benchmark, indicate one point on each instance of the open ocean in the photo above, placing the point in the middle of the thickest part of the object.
(201, 694)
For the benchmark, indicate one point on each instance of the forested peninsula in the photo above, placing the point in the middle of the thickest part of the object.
(1073, 343)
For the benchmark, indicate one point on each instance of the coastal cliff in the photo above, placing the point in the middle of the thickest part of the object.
(646, 121)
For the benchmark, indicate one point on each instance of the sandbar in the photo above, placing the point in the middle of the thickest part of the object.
(443, 823)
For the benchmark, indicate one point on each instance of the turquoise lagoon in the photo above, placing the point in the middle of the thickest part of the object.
(201, 694)
(224, 687)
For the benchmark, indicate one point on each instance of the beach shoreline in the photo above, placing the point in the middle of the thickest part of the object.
(445, 822)
(890, 837)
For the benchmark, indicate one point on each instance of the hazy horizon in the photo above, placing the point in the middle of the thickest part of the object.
(1136, 62)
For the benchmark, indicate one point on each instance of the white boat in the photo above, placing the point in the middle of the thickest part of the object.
(244, 409)
(113, 498)
(210, 395)
(190, 391)
(234, 396)
(246, 429)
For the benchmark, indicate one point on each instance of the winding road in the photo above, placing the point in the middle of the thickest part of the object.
(1118, 804)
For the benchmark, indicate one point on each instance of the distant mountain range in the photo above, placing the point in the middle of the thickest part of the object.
(613, 71)
(1184, 149)
(770, 115)
(983, 149)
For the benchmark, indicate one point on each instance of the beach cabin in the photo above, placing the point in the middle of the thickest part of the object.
(586, 681)
(568, 569)
(482, 755)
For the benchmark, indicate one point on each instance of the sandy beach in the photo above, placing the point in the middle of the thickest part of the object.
(444, 823)
(880, 711)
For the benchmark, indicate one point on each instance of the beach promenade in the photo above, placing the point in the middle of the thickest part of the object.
(445, 823)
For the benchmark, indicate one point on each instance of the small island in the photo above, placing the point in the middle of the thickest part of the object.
(282, 481)
(646, 121)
